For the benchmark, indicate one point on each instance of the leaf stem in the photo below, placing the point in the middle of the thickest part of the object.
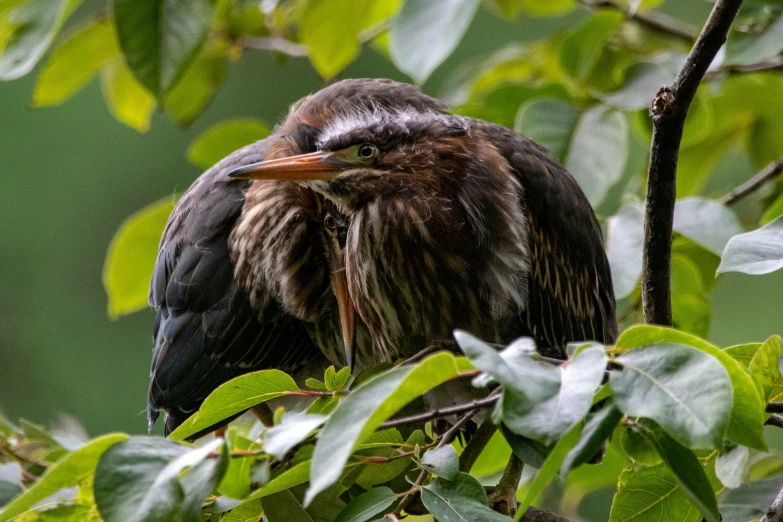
(768, 173)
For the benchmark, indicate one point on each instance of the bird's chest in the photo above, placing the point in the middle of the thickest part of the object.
(415, 276)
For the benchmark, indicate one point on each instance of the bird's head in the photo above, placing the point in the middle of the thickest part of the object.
(367, 153)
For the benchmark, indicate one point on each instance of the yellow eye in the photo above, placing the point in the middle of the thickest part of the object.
(329, 223)
(367, 151)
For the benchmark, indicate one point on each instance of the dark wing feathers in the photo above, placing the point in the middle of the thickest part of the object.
(205, 329)
(570, 286)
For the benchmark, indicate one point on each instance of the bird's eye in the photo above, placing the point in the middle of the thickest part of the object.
(367, 151)
(329, 223)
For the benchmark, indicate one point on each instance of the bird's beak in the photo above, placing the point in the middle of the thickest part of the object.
(320, 165)
(345, 307)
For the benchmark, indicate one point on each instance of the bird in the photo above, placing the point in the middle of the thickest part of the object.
(249, 275)
(455, 222)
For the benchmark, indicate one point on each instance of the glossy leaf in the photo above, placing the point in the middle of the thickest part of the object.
(747, 412)
(691, 308)
(385, 444)
(527, 450)
(624, 245)
(367, 505)
(550, 468)
(656, 383)
(594, 434)
(222, 139)
(707, 222)
(127, 99)
(649, 494)
(295, 427)
(642, 82)
(426, 32)
(160, 39)
(35, 24)
(131, 257)
(235, 396)
(189, 97)
(689, 473)
(139, 479)
(443, 462)
(637, 446)
(365, 408)
(321, 23)
(74, 63)
(284, 507)
(236, 482)
(290, 478)
(459, 500)
(548, 420)
(494, 457)
(743, 353)
(750, 501)
(765, 367)
(592, 144)
(69, 471)
(757, 252)
(732, 468)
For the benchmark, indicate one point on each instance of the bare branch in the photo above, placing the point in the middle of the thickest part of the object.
(771, 64)
(655, 21)
(442, 412)
(769, 173)
(539, 515)
(775, 512)
(276, 44)
(775, 407)
(668, 111)
(775, 420)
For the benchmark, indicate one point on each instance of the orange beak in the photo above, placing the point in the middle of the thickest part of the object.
(304, 167)
(347, 313)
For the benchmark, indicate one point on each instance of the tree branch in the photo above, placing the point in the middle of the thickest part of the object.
(276, 44)
(771, 64)
(769, 172)
(775, 420)
(775, 512)
(443, 412)
(775, 407)
(539, 515)
(655, 21)
(668, 112)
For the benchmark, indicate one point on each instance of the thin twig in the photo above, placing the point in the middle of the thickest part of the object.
(775, 420)
(442, 412)
(668, 111)
(276, 44)
(771, 64)
(768, 173)
(655, 21)
(775, 512)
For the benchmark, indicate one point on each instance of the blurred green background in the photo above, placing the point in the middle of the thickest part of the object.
(71, 174)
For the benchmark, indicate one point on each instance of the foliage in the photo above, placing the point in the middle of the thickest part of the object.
(679, 421)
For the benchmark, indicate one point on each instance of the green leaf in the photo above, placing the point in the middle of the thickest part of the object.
(748, 49)
(320, 23)
(595, 432)
(127, 99)
(69, 471)
(513, 367)
(732, 468)
(367, 505)
(236, 482)
(581, 49)
(235, 396)
(494, 457)
(527, 450)
(294, 428)
(642, 82)
(592, 144)
(743, 353)
(774, 211)
(426, 32)
(139, 479)
(284, 507)
(755, 253)
(131, 258)
(548, 420)
(459, 500)
(188, 98)
(637, 446)
(511, 9)
(624, 245)
(651, 494)
(750, 501)
(549, 469)
(74, 63)
(290, 478)
(766, 369)
(691, 308)
(707, 222)
(159, 39)
(443, 462)
(747, 413)
(385, 444)
(222, 139)
(365, 408)
(35, 24)
(689, 473)
(657, 383)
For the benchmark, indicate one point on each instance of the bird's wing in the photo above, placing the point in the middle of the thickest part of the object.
(570, 296)
(205, 329)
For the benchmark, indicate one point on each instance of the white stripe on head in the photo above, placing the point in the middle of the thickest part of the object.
(362, 116)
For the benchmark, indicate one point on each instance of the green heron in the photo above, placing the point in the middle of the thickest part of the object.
(248, 275)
